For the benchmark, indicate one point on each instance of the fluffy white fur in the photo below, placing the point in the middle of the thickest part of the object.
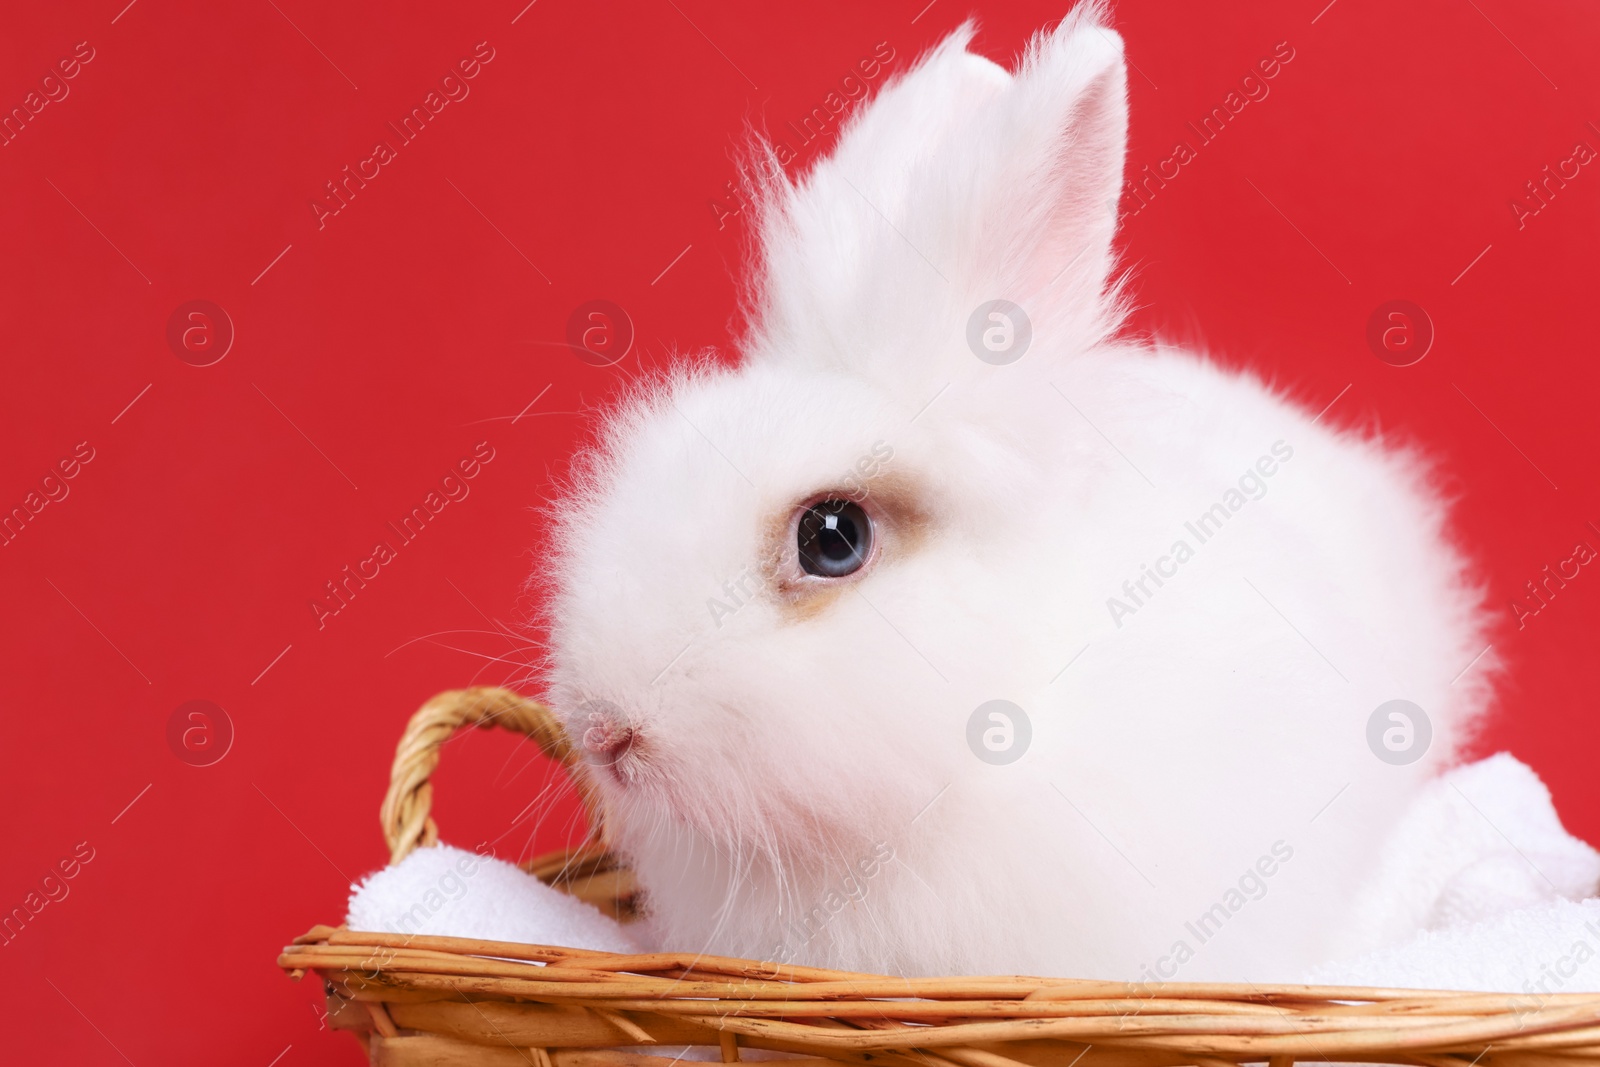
(779, 747)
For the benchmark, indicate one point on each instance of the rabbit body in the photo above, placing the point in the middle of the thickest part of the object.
(1193, 592)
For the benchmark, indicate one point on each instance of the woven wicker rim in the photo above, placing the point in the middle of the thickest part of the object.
(442, 1000)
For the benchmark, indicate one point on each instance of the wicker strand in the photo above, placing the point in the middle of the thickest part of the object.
(938, 1022)
(407, 822)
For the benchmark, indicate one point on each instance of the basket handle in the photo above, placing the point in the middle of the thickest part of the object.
(407, 824)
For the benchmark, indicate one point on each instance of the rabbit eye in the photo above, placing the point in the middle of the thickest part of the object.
(834, 538)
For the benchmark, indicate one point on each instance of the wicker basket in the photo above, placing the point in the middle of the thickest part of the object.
(447, 1001)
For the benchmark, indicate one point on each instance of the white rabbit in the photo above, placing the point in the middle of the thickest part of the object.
(783, 703)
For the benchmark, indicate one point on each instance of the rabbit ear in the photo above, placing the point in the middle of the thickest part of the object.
(1045, 173)
(957, 185)
(905, 123)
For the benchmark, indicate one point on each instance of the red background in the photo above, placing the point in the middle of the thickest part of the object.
(380, 348)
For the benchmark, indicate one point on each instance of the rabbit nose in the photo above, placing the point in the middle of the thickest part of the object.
(607, 740)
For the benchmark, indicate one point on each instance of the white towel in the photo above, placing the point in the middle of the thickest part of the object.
(1478, 888)
(1481, 841)
(449, 892)
(1553, 947)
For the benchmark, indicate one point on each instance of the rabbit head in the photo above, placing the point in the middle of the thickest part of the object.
(725, 682)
